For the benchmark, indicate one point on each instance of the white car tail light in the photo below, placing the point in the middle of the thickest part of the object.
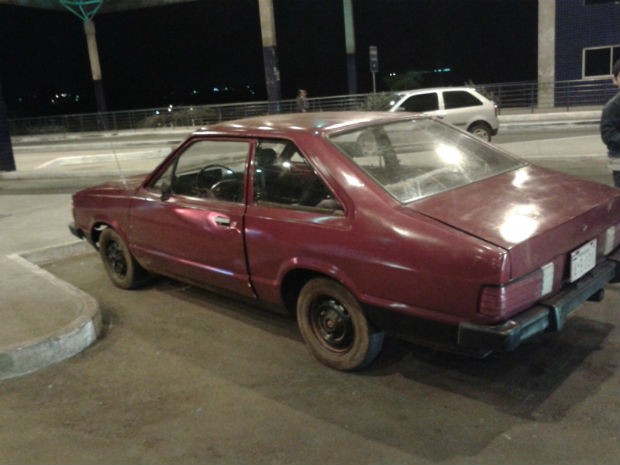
(610, 239)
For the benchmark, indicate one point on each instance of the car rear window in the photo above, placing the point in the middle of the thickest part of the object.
(459, 99)
(421, 157)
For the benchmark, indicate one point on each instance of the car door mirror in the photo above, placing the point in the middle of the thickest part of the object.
(166, 191)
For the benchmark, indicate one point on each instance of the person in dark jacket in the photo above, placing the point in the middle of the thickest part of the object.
(610, 127)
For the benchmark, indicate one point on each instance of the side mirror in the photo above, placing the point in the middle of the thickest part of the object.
(166, 191)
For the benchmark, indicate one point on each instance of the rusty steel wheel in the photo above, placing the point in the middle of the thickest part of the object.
(119, 264)
(334, 326)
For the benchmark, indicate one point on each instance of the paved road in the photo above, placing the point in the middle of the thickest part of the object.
(574, 150)
(186, 376)
(64, 166)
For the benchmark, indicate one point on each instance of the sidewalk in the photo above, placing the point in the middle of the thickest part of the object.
(46, 320)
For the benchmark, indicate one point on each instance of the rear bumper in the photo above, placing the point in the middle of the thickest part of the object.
(548, 315)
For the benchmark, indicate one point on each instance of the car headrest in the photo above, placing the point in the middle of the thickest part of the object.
(265, 157)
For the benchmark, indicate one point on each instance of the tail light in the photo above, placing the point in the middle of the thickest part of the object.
(504, 301)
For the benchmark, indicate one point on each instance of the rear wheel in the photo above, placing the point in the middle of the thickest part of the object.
(334, 327)
(122, 268)
(481, 130)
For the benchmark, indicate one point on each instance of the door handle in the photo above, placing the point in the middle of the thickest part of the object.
(222, 221)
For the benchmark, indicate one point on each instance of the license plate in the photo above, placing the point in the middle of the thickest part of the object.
(582, 260)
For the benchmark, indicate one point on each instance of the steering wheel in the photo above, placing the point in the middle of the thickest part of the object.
(203, 189)
(228, 189)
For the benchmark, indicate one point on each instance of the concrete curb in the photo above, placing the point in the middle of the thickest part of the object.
(60, 343)
(529, 121)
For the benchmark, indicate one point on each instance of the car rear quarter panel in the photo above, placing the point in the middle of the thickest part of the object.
(414, 265)
(387, 255)
(390, 260)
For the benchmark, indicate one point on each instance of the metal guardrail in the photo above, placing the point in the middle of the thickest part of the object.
(565, 95)
(179, 116)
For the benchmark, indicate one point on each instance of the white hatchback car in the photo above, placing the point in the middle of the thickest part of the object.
(461, 106)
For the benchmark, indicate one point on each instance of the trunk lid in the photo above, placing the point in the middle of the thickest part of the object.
(534, 213)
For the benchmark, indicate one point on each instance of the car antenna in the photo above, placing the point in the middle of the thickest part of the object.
(118, 166)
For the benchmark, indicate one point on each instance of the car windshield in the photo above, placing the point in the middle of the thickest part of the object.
(421, 157)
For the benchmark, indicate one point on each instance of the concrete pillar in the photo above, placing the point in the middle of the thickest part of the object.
(349, 34)
(7, 160)
(546, 53)
(270, 54)
(95, 67)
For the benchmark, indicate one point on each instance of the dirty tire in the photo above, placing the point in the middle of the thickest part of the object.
(120, 265)
(334, 327)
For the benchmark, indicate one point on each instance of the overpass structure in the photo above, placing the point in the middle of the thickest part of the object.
(87, 9)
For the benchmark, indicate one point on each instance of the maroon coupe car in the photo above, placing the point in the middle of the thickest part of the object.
(364, 223)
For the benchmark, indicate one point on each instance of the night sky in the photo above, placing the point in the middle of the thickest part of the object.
(178, 54)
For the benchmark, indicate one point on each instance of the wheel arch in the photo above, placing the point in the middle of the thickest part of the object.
(98, 227)
(480, 122)
(292, 283)
(294, 280)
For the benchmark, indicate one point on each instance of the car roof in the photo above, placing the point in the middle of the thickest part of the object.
(435, 89)
(318, 123)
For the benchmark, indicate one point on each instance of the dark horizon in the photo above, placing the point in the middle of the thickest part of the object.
(180, 54)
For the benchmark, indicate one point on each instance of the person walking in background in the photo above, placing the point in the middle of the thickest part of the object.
(302, 101)
(610, 127)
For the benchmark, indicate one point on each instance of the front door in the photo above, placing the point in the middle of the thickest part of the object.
(188, 221)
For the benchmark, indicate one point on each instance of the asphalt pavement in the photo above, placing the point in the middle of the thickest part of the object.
(46, 320)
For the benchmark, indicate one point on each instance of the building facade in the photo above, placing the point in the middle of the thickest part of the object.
(587, 38)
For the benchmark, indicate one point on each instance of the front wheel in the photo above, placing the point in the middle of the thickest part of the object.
(122, 268)
(334, 327)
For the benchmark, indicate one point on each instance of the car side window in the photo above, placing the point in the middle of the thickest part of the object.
(459, 99)
(283, 177)
(213, 169)
(422, 102)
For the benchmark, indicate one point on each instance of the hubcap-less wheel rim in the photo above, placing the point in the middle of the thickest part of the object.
(482, 133)
(116, 259)
(332, 325)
